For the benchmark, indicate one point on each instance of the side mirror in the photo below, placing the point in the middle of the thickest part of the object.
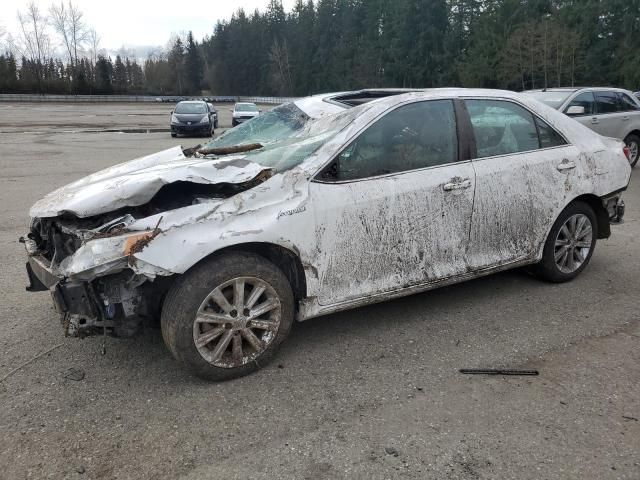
(576, 110)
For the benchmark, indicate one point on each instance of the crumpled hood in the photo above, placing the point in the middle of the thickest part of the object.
(136, 182)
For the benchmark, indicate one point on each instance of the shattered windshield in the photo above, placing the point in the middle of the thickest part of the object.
(187, 108)
(281, 122)
(288, 136)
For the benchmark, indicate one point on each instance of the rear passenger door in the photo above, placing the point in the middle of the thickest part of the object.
(524, 170)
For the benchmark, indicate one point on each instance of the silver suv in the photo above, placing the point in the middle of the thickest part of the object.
(611, 112)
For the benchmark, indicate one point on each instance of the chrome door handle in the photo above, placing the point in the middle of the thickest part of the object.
(625, 119)
(566, 165)
(595, 120)
(448, 187)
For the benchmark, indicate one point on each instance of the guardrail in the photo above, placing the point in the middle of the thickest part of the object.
(18, 97)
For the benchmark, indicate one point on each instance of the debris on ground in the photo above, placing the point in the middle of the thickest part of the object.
(483, 371)
(75, 374)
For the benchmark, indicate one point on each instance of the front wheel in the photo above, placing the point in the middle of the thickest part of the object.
(227, 316)
(633, 144)
(570, 244)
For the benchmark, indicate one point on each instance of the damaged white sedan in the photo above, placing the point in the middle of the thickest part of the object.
(322, 205)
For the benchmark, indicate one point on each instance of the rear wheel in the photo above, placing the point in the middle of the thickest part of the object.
(570, 244)
(227, 316)
(173, 135)
(633, 143)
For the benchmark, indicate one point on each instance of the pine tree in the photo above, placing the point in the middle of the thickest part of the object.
(193, 66)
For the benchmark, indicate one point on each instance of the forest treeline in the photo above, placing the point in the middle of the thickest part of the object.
(331, 45)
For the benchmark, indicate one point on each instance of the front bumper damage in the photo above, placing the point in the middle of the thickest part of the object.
(109, 297)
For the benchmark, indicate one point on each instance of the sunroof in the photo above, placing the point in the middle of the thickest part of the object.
(353, 99)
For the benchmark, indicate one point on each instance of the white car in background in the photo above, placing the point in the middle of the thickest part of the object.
(321, 205)
(243, 112)
(611, 112)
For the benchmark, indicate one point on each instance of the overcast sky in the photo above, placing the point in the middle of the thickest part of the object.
(143, 22)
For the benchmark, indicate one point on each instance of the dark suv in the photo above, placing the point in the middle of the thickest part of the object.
(193, 117)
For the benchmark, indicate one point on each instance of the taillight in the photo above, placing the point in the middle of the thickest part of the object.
(627, 152)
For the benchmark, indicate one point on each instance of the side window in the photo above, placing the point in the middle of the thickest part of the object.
(413, 136)
(628, 105)
(607, 102)
(548, 136)
(585, 100)
(502, 127)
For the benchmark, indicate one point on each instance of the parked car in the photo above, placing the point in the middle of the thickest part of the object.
(213, 110)
(193, 117)
(319, 206)
(611, 112)
(243, 112)
(637, 94)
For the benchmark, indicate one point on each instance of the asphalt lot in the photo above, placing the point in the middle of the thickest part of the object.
(372, 393)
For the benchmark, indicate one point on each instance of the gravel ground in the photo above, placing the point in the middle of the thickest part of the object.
(372, 393)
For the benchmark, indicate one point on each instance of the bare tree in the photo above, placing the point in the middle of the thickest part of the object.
(94, 45)
(279, 57)
(68, 24)
(33, 40)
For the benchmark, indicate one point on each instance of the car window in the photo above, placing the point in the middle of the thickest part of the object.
(246, 107)
(627, 103)
(607, 102)
(585, 100)
(548, 136)
(502, 127)
(413, 136)
(193, 108)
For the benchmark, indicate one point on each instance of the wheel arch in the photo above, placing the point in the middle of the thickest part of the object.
(284, 258)
(635, 132)
(595, 202)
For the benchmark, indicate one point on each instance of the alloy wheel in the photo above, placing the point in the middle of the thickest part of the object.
(237, 322)
(573, 243)
(634, 151)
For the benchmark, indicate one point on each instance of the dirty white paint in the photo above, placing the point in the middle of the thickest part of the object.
(359, 241)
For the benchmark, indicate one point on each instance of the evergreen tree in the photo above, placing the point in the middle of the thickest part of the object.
(119, 76)
(176, 67)
(193, 66)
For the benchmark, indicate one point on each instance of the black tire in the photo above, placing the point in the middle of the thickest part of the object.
(174, 135)
(548, 269)
(189, 292)
(631, 141)
(233, 124)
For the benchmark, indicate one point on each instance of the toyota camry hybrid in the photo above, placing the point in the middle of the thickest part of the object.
(321, 205)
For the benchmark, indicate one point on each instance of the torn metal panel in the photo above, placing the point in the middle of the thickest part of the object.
(137, 182)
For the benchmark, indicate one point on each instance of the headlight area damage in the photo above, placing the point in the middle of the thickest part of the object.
(84, 238)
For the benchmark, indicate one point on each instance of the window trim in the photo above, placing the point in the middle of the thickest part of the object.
(315, 177)
(534, 115)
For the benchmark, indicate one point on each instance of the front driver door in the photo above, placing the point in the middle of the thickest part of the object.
(394, 208)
